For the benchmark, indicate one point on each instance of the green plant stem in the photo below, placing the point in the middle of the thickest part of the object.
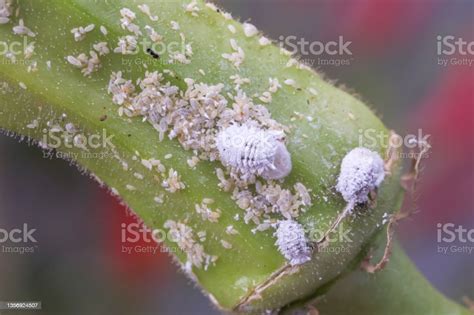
(399, 289)
(62, 95)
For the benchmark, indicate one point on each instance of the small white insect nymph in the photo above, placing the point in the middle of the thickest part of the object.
(362, 170)
(292, 243)
(250, 30)
(5, 11)
(251, 150)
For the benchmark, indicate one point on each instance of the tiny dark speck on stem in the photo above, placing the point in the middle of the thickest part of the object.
(152, 53)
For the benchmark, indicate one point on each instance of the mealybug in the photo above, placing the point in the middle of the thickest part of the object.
(292, 243)
(362, 170)
(251, 150)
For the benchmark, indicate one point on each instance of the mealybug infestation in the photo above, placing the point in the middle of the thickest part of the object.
(251, 150)
(292, 243)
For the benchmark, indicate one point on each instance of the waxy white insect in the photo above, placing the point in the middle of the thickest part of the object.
(5, 11)
(263, 41)
(250, 30)
(362, 171)
(251, 150)
(292, 242)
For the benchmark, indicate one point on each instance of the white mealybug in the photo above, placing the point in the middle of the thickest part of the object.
(251, 150)
(292, 243)
(362, 170)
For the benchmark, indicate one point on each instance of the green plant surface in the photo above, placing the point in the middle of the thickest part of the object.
(317, 145)
(398, 289)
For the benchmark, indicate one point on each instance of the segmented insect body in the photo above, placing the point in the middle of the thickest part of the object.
(251, 150)
(292, 243)
(362, 170)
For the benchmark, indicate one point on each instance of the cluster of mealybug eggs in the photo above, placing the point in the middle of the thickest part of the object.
(291, 242)
(251, 150)
(362, 171)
